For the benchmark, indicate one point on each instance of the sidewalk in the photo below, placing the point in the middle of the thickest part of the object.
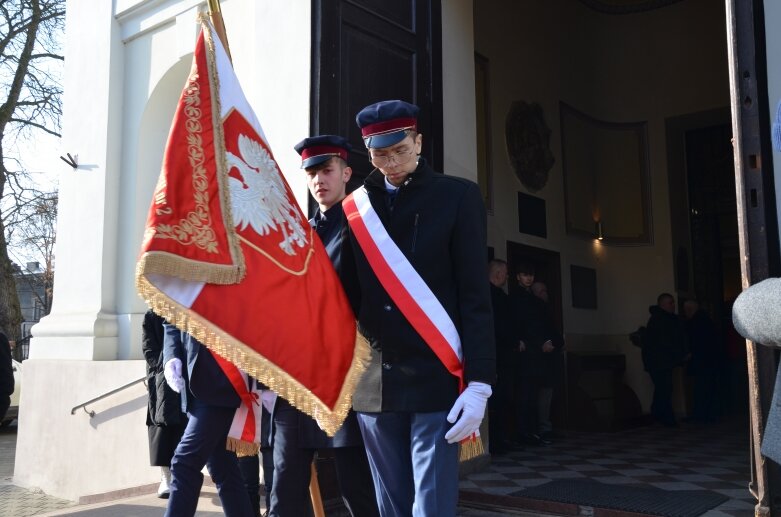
(19, 502)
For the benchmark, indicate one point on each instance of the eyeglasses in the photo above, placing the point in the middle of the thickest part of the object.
(399, 158)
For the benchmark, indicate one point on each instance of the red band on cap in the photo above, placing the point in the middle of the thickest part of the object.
(321, 150)
(389, 126)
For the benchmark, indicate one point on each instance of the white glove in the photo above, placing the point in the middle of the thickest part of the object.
(173, 374)
(268, 398)
(471, 405)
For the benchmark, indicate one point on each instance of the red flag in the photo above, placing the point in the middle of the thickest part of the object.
(228, 256)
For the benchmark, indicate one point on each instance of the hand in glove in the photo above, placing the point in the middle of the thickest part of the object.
(471, 405)
(267, 398)
(173, 374)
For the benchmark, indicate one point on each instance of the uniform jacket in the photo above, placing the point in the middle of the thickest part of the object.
(439, 223)
(203, 377)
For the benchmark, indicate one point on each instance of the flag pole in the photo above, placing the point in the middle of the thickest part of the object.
(314, 493)
(219, 25)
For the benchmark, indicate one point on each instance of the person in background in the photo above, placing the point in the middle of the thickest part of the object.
(6, 375)
(534, 339)
(705, 364)
(164, 417)
(500, 403)
(550, 362)
(664, 347)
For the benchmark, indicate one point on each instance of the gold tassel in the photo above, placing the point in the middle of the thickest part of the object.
(470, 448)
(242, 448)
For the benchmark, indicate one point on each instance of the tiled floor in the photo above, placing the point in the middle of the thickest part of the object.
(691, 457)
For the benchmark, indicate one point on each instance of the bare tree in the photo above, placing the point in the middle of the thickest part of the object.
(30, 58)
(31, 241)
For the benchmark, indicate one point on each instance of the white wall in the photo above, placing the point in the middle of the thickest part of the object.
(458, 90)
(127, 62)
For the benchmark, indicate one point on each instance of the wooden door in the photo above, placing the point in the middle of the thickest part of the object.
(370, 50)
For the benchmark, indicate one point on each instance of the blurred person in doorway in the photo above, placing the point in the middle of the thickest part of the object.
(665, 346)
(549, 364)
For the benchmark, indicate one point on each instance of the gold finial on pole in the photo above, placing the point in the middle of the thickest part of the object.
(219, 25)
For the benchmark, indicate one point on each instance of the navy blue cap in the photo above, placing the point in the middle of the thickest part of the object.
(385, 123)
(318, 149)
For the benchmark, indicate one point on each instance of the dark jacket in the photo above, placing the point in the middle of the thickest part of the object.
(705, 344)
(164, 407)
(504, 335)
(665, 342)
(532, 324)
(207, 382)
(439, 223)
(6, 368)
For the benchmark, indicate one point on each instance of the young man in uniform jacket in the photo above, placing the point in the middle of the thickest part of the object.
(407, 399)
(210, 401)
(296, 436)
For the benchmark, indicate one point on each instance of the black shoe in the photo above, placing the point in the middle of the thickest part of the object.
(534, 439)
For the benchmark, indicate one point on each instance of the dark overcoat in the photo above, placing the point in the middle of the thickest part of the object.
(439, 223)
(164, 418)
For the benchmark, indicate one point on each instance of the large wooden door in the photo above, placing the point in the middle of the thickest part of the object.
(370, 50)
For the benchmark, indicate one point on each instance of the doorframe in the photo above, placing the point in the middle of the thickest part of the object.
(757, 219)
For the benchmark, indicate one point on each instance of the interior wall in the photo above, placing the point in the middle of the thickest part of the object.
(629, 68)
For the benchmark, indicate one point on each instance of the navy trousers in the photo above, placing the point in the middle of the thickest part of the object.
(292, 471)
(203, 443)
(415, 470)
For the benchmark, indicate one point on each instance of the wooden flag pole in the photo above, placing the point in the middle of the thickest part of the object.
(314, 493)
(219, 25)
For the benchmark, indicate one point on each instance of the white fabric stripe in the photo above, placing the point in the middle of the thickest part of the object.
(406, 274)
(240, 417)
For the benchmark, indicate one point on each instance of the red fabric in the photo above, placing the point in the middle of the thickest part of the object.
(248, 398)
(320, 150)
(301, 323)
(400, 295)
(389, 125)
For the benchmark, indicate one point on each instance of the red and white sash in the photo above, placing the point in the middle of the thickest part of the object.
(403, 284)
(244, 433)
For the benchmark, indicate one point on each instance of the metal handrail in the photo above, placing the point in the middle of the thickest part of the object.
(104, 395)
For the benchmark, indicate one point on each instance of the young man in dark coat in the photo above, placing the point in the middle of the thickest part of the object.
(211, 402)
(431, 235)
(664, 347)
(164, 418)
(535, 339)
(296, 436)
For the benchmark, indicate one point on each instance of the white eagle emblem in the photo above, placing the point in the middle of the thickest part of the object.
(260, 199)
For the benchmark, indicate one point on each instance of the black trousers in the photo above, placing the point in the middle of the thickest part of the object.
(662, 404)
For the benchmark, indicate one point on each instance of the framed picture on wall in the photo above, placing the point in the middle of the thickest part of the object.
(606, 178)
